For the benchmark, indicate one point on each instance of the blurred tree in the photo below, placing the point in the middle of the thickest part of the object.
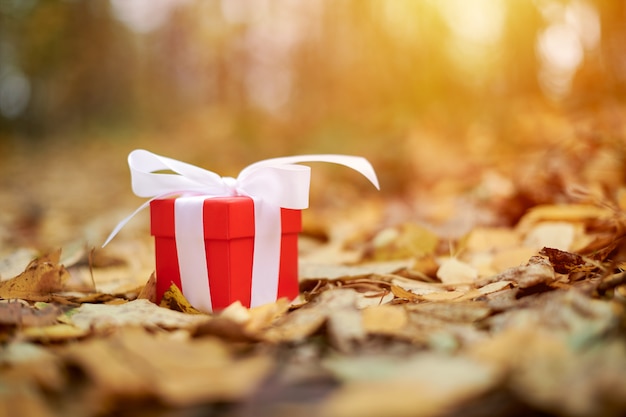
(309, 72)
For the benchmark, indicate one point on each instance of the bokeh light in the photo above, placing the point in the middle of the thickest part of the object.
(307, 69)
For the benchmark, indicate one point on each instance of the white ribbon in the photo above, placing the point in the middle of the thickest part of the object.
(272, 184)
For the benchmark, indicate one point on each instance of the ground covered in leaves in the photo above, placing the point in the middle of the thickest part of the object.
(494, 284)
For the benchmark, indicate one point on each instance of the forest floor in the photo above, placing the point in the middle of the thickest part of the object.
(489, 281)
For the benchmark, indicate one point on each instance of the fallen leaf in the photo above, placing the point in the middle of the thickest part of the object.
(407, 240)
(488, 239)
(462, 312)
(442, 296)
(263, 316)
(24, 400)
(494, 287)
(148, 291)
(305, 321)
(559, 235)
(564, 213)
(133, 364)
(19, 314)
(566, 262)
(174, 299)
(237, 313)
(42, 277)
(53, 333)
(417, 287)
(537, 364)
(454, 271)
(537, 271)
(512, 257)
(238, 323)
(385, 319)
(141, 313)
(373, 298)
(308, 271)
(426, 384)
(400, 292)
(16, 262)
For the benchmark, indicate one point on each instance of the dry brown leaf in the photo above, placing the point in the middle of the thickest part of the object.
(54, 333)
(24, 400)
(296, 326)
(494, 287)
(537, 271)
(148, 291)
(560, 235)
(345, 329)
(94, 298)
(134, 364)
(308, 270)
(423, 267)
(19, 314)
(400, 292)
(461, 312)
(405, 241)
(141, 313)
(24, 362)
(417, 287)
(487, 239)
(305, 321)
(565, 213)
(14, 263)
(238, 323)
(566, 262)
(539, 363)
(383, 398)
(385, 319)
(454, 271)
(263, 316)
(11, 313)
(174, 299)
(512, 257)
(42, 277)
(442, 296)
(422, 385)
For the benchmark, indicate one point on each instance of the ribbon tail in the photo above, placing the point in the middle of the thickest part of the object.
(121, 224)
(357, 163)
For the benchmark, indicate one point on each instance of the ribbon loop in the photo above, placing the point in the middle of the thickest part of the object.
(285, 186)
(278, 181)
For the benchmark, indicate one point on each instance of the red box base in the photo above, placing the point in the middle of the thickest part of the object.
(229, 243)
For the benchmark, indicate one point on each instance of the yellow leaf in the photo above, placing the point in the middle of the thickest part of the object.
(405, 241)
(42, 277)
(175, 300)
(453, 271)
(385, 319)
(565, 213)
(402, 293)
(54, 333)
(149, 290)
(442, 296)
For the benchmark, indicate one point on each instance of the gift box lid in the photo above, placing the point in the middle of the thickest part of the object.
(224, 218)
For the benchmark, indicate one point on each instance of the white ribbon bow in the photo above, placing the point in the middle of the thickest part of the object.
(272, 184)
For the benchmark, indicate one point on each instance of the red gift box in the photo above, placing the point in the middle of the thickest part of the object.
(229, 245)
(227, 239)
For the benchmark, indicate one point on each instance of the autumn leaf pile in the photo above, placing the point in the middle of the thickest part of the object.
(493, 284)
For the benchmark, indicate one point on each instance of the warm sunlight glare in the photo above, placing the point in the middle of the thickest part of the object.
(143, 16)
(476, 29)
(571, 30)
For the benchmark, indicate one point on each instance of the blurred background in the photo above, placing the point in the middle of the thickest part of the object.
(476, 94)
